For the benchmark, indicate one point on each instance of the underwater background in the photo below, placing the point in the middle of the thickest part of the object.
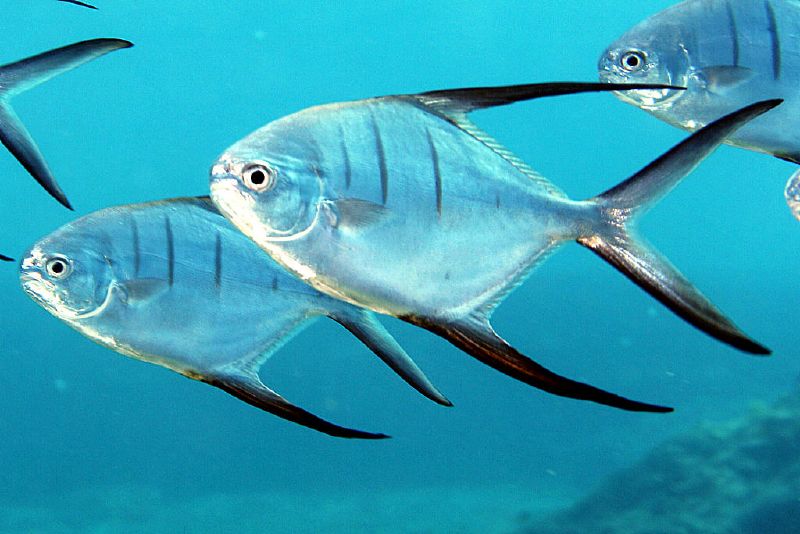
(93, 441)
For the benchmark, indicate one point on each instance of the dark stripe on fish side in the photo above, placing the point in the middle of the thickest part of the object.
(734, 33)
(170, 251)
(384, 171)
(437, 175)
(137, 251)
(348, 170)
(218, 263)
(776, 40)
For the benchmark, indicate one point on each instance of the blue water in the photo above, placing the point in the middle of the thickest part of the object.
(146, 123)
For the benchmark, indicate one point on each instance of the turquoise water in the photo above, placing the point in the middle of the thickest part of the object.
(90, 436)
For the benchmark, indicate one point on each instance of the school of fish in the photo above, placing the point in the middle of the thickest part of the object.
(401, 206)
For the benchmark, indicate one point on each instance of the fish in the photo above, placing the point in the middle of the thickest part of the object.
(727, 53)
(175, 284)
(403, 206)
(78, 3)
(792, 194)
(25, 74)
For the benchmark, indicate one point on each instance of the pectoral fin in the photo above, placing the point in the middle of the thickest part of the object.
(477, 338)
(720, 78)
(252, 391)
(354, 213)
(140, 290)
(365, 326)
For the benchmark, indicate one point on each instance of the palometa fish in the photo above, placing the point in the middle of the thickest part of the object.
(401, 205)
(727, 53)
(18, 77)
(175, 284)
(792, 194)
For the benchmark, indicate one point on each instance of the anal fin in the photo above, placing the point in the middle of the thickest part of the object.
(5, 258)
(478, 339)
(371, 333)
(252, 391)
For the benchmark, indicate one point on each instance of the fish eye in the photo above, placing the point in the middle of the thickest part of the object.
(258, 176)
(633, 61)
(58, 267)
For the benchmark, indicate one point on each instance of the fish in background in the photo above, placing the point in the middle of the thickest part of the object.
(25, 74)
(727, 53)
(175, 284)
(78, 3)
(792, 194)
(403, 206)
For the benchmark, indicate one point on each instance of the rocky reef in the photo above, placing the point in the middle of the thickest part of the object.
(742, 476)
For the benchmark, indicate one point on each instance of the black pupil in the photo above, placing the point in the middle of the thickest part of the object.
(57, 267)
(632, 61)
(258, 177)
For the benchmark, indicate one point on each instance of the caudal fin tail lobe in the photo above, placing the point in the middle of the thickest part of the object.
(22, 75)
(615, 240)
(478, 339)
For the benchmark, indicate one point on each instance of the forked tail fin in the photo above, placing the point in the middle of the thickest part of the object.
(28, 73)
(615, 239)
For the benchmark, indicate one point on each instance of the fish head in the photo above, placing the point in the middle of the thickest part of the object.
(65, 275)
(648, 53)
(269, 185)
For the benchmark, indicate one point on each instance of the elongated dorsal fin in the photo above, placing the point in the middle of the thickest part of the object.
(28, 73)
(78, 3)
(365, 326)
(251, 390)
(5, 258)
(477, 338)
(454, 105)
(458, 102)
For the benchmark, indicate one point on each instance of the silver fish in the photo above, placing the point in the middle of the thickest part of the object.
(727, 53)
(792, 194)
(173, 283)
(401, 205)
(25, 74)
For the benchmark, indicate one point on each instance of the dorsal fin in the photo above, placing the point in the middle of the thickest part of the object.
(453, 105)
(5, 258)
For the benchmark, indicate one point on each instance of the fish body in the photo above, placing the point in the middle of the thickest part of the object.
(727, 53)
(25, 74)
(402, 206)
(792, 194)
(173, 283)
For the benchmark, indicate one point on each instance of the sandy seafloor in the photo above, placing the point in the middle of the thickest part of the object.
(92, 441)
(412, 510)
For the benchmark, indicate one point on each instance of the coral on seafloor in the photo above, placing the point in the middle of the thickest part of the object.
(742, 476)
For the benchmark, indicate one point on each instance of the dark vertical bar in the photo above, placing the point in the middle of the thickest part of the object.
(734, 32)
(381, 161)
(776, 40)
(170, 251)
(348, 170)
(218, 263)
(437, 175)
(137, 251)
(274, 282)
